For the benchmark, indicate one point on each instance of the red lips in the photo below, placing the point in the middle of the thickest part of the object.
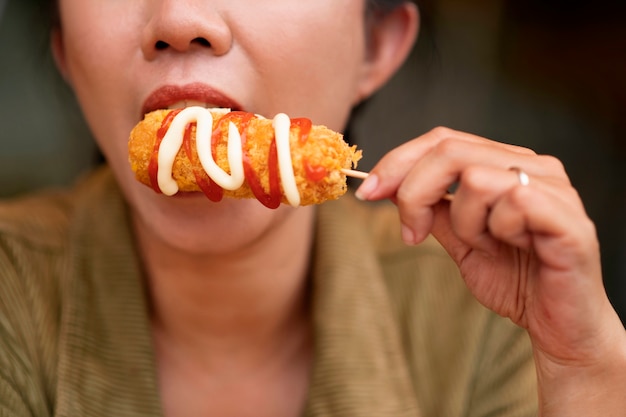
(167, 95)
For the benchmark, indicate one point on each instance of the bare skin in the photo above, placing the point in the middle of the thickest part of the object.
(232, 332)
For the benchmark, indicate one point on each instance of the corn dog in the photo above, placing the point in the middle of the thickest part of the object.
(240, 155)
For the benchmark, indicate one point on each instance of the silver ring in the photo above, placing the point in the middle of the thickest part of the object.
(522, 177)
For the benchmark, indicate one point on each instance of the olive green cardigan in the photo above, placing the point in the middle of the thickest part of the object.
(396, 332)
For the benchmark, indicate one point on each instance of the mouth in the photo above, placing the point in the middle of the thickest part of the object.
(195, 94)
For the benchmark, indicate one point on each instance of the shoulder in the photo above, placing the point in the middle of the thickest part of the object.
(37, 234)
(381, 223)
(42, 222)
(34, 241)
(33, 236)
(39, 219)
(422, 280)
(452, 343)
(34, 232)
(424, 286)
(40, 237)
(35, 257)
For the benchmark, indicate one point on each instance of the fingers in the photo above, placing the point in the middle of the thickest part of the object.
(486, 209)
(438, 144)
(492, 205)
(478, 191)
(549, 219)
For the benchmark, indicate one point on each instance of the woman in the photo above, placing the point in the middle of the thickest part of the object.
(120, 301)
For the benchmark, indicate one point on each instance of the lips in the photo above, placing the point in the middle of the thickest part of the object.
(170, 96)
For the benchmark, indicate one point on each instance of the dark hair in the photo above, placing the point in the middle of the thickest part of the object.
(49, 10)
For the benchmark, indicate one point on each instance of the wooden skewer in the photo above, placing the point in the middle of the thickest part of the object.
(362, 175)
(355, 174)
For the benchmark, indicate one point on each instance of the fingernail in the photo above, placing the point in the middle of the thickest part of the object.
(368, 186)
(408, 235)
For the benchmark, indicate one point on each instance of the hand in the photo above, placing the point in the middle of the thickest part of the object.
(528, 252)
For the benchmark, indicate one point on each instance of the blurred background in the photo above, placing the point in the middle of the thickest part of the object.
(43, 139)
(549, 75)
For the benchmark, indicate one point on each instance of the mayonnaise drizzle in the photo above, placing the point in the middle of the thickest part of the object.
(282, 125)
(173, 140)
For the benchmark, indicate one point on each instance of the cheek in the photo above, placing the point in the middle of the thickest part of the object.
(316, 56)
(97, 61)
(94, 47)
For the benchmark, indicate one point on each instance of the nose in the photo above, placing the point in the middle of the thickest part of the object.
(182, 26)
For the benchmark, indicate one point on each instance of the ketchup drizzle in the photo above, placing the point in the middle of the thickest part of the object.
(213, 191)
(313, 172)
(272, 199)
(304, 126)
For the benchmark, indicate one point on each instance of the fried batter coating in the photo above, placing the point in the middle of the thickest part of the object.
(317, 158)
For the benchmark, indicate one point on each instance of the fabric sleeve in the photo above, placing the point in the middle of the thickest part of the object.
(465, 361)
(505, 383)
(11, 401)
(23, 388)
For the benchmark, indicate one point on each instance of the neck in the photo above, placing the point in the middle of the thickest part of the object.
(244, 305)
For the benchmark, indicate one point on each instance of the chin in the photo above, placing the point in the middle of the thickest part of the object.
(193, 224)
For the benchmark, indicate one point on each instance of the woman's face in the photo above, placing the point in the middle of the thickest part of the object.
(304, 58)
